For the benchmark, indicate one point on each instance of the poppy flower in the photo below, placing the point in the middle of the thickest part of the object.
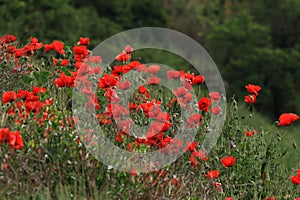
(162, 117)
(198, 80)
(194, 120)
(80, 50)
(128, 49)
(213, 174)
(142, 90)
(215, 110)
(193, 161)
(229, 198)
(8, 96)
(250, 133)
(153, 80)
(107, 81)
(296, 179)
(8, 38)
(124, 85)
(55, 45)
(204, 103)
(64, 80)
(154, 69)
(200, 154)
(270, 198)
(250, 99)
(64, 62)
(15, 140)
(191, 146)
(4, 134)
(215, 96)
(180, 92)
(122, 57)
(228, 161)
(253, 89)
(38, 90)
(84, 41)
(286, 119)
(173, 74)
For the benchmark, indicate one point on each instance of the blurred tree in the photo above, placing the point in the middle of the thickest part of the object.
(67, 20)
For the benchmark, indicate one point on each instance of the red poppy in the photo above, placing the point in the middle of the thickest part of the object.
(64, 62)
(8, 96)
(124, 85)
(153, 80)
(204, 103)
(191, 146)
(201, 155)
(250, 99)
(215, 110)
(4, 134)
(180, 92)
(80, 50)
(215, 96)
(128, 49)
(154, 69)
(15, 140)
(253, 89)
(162, 117)
(228, 161)
(157, 127)
(38, 90)
(250, 133)
(55, 45)
(84, 41)
(213, 174)
(286, 119)
(172, 74)
(194, 120)
(8, 38)
(64, 80)
(270, 198)
(123, 57)
(193, 161)
(198, 80)
(229, 198)
(107, 81)
(142, 90)
(296, 179)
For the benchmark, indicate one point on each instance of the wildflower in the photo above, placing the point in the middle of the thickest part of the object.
(124, 85)
(215, 96)
(172, 74)
(107, 81)
(153, 81)
(215, 110)
(213, 174)
(198, 80)
(228, 161)
(286, 119)
(204, 103)
(84, 41)
(253, 89)
(250, 99)
(8, 96)
(154, 69)
(250, 133)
